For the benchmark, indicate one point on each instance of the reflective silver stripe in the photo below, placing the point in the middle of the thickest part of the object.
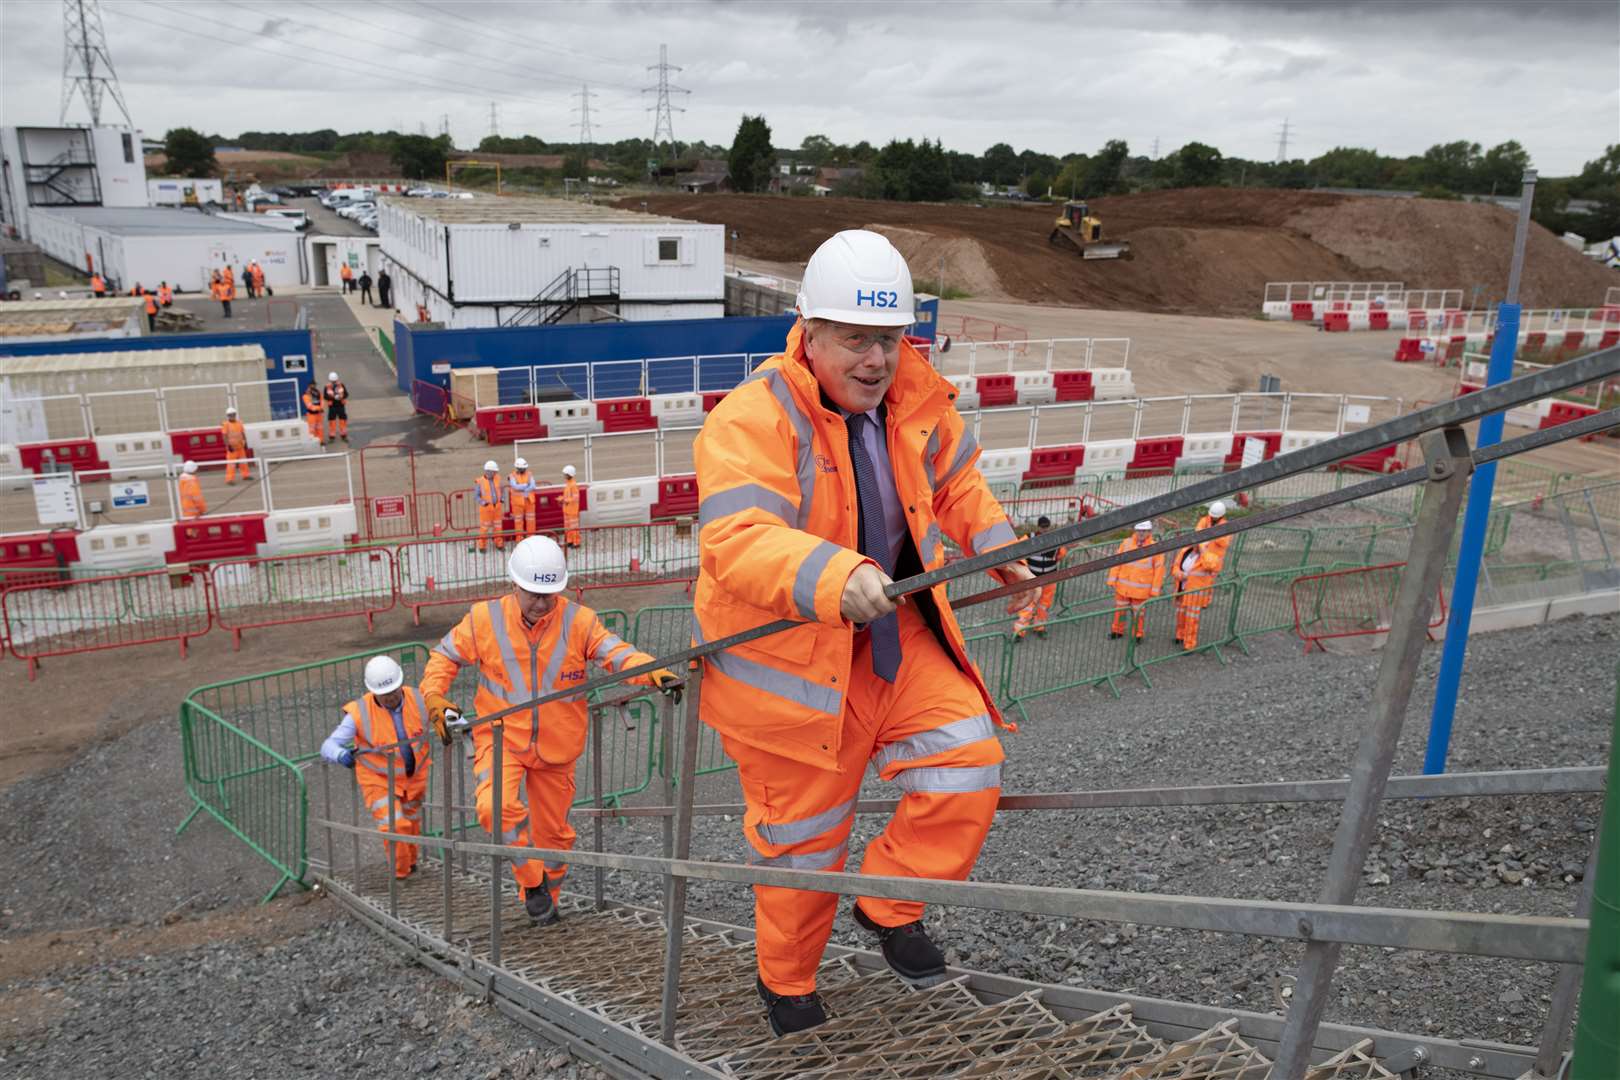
(797, 832)
(932, 540)
(447, 647)
(520, 684)
(995, 536)
(964, 454)
(511, 836)
(930, 452)
(805, 464)
(809, 575)
(945, 737)
(606, 648)
(769, 680)
(559, 651)
(549, 865)
(746, 497)
(951, 781)
(815, 860)
(380, 804)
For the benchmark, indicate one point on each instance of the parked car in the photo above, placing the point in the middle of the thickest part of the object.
(368, 221)
(353, 211)
(419, 193)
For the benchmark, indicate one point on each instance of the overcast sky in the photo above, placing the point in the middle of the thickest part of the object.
(1055, 77)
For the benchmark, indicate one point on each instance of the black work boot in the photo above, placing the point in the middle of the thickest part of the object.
(541, 907)
(791, 1012)
(908, 949)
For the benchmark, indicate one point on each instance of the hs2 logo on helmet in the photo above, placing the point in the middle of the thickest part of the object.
(548, 578)
(879, 298)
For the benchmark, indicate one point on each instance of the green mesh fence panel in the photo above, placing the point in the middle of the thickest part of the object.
(1268, 548)
(1263, 605)
(1158, 642)
(630, 738)
(1076, 651)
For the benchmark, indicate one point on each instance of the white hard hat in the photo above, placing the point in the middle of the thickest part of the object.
(1217, 509)
(230, 410)
(519, 464)
(190, 466)
(568, 470)
(1144, 526)
(857, 276)
(490, 466)
(331, 376)
(537, 565)
(383, 675)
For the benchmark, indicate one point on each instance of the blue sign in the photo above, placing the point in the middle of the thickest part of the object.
(129, 495)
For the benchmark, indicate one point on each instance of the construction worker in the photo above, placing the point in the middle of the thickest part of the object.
(315, 411)
(229, 275)
(223, 291)
(192, 503)
(1034, 613)
(347, 276)
(1196, 568)
(1134, 582)
(491, 507)
(520, 493)
(529, 643)
(257, 273)
(165, 295)
(236, 446)
(336, 396)
(151, 312)
(98, 285)
(389, 712)
(137, 289)
(839, 465)
(570, 508)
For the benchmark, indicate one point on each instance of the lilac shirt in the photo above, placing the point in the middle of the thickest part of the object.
(874, 439)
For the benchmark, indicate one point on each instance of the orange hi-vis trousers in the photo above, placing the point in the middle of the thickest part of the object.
(408, 793)
(235, 459)
(1034, 613)
(1126, 612)
(523, 516)
(316, 420)
(1190, 605)
(535, 798)
(571, 529)
(929, 733)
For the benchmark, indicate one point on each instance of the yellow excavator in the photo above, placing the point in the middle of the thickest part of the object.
(1085, 232)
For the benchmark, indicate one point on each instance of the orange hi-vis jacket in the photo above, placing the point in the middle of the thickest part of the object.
(374, 726)
(516, 663)
(192, 503)
(778, 539)
(570, 498)
(165, 295)
(520, 489)
(314, 403)
(489, 489)
(1206, 567)
(1140, 579)
(235, 436)
(151, 304)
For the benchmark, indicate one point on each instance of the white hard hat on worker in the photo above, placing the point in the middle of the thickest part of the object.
(539, 571)
(856, 301)
(383, 675)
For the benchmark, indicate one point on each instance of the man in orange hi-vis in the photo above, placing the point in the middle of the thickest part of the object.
(1195, 571)
(491, 507)
(1035, 612)
(527, 644)
(337, 407)
(570, 508)
(838, 466)
(192, 503)
(520, 493)
(347, 275)
(314, 410)
(1134, 582)
(236, 446)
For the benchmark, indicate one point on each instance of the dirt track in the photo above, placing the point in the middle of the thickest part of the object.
(1200, 251)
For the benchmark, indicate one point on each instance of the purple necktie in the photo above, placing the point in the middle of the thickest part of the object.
(875, 546)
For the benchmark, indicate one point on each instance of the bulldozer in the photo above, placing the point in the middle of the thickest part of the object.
(1085, 232)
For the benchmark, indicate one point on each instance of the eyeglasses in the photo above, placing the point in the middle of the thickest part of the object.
(860, 343)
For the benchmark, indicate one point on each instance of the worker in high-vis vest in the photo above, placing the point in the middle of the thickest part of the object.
(236, 446)
(192, 503)
(837, 467)
(389, 713)
(1033, 614)
(315, 411)
(1195, 570)
(337, 407)
(98, 285)
(525, 645)
(165, 295)
(570, 508)
(1134, 583)
(151, 312)
(520, 494)
(491, 507)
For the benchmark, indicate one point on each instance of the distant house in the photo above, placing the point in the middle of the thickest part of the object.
(711, 175)
(829, 177)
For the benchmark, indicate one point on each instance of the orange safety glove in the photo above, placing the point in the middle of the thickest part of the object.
(443, 713)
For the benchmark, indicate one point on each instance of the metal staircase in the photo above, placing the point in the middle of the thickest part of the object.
(567, 292)
(46, 187)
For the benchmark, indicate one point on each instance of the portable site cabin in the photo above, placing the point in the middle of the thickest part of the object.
(84, 317)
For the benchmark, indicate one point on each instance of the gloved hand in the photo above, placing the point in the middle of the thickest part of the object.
(346, 759)
(443, 713)
(667, 682)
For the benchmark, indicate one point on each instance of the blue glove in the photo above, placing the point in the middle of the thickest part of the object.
(346, 759)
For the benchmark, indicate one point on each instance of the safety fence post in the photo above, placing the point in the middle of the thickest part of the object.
(1077, 650)
(675, 913)
(497, 828)
(450, 770)
(1449, 465)
(391, 848)
(599, 873)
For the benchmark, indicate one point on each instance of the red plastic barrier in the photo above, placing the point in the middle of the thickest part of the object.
(78, 454)
(548, 506)
(279, 590)
(1609, 313)
(1609, 339)
(677, 497)
(1302, 310)
(1535, 343)
(209, 539)
(1378, 320)
(1456, 346)
(1417, 319)
(199, 444)
(997, 390)
(1073, 385)
(711, 398)
(1154, 457)
(509, 423)
(400, 517)
(626, 414)
(1336, 320)
(113, 612)
(1378, 461)
(1351, 603)
(1562, 412)
(1273, 444)
(1408, 350)
(1050, 463)
(45, 552)
(1465, 388)
(1455, 319)
(1574, 341)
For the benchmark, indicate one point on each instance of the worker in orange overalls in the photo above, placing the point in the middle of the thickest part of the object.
(1195, 571)
(1035, 612)
(491, 507)
(839, 465)
(524, 645)
(336, 396)
(389, 712)
(98, 285)
(315, 411)
(165, 295)
(570, 508)
(236, 446)
(137, 289)
(192, 503)
(1134, 582)
(347, 276)
(223, 291)
(151, 312)
(257, 272)
(520, 493)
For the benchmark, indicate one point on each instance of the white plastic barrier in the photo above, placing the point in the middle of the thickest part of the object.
(1280, 310)
(967, 391)
(677, 410)
(1204, 448)
(1004, 465)
(620, 502)
(1360, 320)
(308, 528)
(280, 438)
(1531, 415)
(135, 451)
(1035, 388)
(1299, 440)
(570, 418)
(1107, 457)
(1110, 383)
(124, 547)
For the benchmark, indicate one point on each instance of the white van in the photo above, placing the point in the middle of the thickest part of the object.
(294, 213)
(345, 196)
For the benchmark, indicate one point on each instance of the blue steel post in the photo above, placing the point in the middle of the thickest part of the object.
(1477, 515)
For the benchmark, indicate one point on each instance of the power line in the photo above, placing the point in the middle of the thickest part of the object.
(85, 44)
(506, 37)
(584, 125)
(1282, 143)
(663, 123)
(494, 121)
